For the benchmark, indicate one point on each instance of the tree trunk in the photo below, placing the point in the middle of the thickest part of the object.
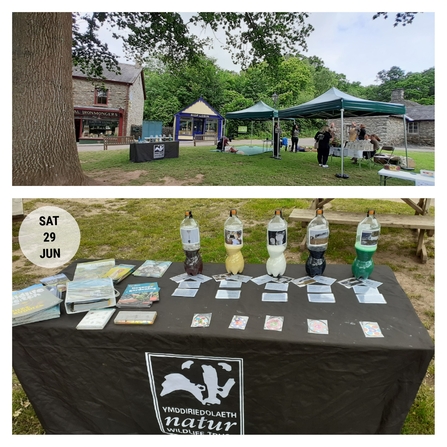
(44, 150)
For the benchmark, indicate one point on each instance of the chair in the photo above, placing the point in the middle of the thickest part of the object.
(384, 155)
(369, 161)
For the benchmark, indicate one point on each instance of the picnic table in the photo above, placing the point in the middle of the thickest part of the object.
(421, 221)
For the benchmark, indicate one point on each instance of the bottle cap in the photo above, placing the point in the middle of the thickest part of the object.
(233, 213)
(278, 212)
(371, 212)
(319, 211)
(188, 214)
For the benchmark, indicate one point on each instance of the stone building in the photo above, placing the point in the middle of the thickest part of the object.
(420, 124)
(110, 106)
(421, 120)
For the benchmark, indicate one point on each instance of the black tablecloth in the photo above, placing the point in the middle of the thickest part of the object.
(171, 377)
(140, 152)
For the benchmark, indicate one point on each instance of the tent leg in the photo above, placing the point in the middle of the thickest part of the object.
(405, 143)
(342, 175)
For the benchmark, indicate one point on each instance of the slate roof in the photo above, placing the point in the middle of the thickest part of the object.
(129, 73)
(418, 112)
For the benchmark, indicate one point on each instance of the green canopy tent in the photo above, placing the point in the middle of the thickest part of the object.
(335, 103)
(258, 112)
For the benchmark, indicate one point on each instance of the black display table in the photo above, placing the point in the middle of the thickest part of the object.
(140, 152)
(171, 377)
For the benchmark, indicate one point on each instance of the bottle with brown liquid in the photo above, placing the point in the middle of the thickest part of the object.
(190, 235)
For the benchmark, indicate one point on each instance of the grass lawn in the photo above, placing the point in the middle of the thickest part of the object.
(227, 169)
(149, 229)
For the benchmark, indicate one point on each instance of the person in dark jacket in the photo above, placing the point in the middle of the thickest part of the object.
(276, 141)
(362, 132)
(222, 143)
(323, 138)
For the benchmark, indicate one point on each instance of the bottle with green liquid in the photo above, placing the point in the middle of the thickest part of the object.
(368, 231)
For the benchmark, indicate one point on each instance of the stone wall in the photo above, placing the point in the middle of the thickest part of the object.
(84, 94)
(426, 135)
(390, 130)
(135, 106)
(122, 96)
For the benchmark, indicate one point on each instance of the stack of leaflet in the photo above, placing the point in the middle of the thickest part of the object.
(35, 303)
(93, 269)
(87, 294)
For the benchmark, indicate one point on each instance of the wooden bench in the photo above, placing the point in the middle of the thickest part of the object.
(204, 137)
(116, 141)
(422, 223)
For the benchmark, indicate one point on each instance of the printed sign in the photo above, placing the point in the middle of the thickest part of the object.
(277, 237)
(159, 151)
(370, 237)
(197, 395)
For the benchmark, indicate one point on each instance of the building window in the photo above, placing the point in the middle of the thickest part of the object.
(185, 126)
(413, 127)
(101, 96)
(99, 128)
(211, 126)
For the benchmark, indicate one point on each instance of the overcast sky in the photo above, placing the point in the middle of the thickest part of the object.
(356, 45)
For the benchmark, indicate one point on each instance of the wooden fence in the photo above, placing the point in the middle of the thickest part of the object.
(114, 141)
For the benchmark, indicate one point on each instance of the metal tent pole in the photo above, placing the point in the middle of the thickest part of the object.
(251, 139)
(407, 168)
(342, 175)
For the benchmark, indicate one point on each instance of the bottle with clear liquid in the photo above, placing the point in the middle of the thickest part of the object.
(317, 238)
(367, 237)
(233, 237)
(276, 244)
(190, 235)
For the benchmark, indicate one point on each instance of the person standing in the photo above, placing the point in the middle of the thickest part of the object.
(276, 141)
(353, 134)
(332, 129)
(295, 138)
(374, 140)
(361, 136)
(362, 132)
(323, 138)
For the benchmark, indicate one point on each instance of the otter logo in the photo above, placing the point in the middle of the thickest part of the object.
(196, 394)
(210, 386)
(159, 150)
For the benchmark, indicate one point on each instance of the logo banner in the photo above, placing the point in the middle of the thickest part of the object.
(159, 151)
(197, 395)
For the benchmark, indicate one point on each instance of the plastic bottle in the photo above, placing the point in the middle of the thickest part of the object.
(233, 237)
(317, 238)
(276, 244)
(368, 231)
(190, 235)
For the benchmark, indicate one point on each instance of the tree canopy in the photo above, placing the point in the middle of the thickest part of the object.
(251, 37)
(401, 18)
